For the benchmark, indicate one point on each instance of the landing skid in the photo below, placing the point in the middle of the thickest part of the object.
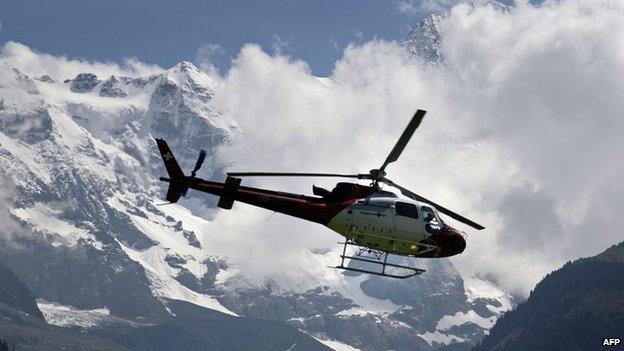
(376, 258)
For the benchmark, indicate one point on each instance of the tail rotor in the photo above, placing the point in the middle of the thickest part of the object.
(199, 163)
(178, 182)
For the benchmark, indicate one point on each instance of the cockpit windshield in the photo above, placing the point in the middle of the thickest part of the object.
(433, 224)
(429, 215)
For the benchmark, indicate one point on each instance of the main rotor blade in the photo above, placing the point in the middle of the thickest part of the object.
(441, 209)
(404, 139)
(286, 174)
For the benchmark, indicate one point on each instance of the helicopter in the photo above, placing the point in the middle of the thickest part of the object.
(375, 223)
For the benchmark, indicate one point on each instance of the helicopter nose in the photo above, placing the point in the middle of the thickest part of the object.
(460, 242)
(456, 240)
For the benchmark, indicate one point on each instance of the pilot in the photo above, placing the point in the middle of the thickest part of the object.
(431, 222)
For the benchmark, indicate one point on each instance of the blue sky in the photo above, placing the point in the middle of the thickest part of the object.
(165, 32)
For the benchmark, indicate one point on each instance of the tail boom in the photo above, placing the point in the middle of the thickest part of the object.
(306, 207)
(314, 209)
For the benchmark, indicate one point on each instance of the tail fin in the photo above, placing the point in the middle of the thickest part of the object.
(173, 168)
(177, 186)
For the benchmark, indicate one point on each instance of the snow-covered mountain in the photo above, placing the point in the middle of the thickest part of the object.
(86, 232)
(82, 165)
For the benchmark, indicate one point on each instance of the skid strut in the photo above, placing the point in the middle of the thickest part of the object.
(374, 259)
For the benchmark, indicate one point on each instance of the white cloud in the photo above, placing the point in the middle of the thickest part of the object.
(205, 58)
(60, 67)
(280, 45)
(12, 231)
(542, 85)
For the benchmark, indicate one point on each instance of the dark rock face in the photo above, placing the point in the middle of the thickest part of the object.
(420, 304)
(84, 83)
(30, 127)
(196, 329)
(46, 78)
(367, 332)
(15, 294)
(23, 326)
(113, 87)
(26, 332)
(193, 329)
(266, 304)
(98, 279)
(189, 235)
(460, 346)
(572, 308)
(438, 292)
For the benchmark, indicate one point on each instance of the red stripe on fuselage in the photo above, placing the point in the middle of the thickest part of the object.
(310, 208)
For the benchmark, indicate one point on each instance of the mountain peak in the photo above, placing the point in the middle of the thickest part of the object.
(184, 66)
(187, 74)
(425, 38)
(84, 82)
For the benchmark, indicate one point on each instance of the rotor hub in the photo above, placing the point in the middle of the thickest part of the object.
(377, 174)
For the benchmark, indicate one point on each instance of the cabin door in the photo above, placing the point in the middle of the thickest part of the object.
(406, 221)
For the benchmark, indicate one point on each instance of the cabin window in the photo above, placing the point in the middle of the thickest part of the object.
(407, 210)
